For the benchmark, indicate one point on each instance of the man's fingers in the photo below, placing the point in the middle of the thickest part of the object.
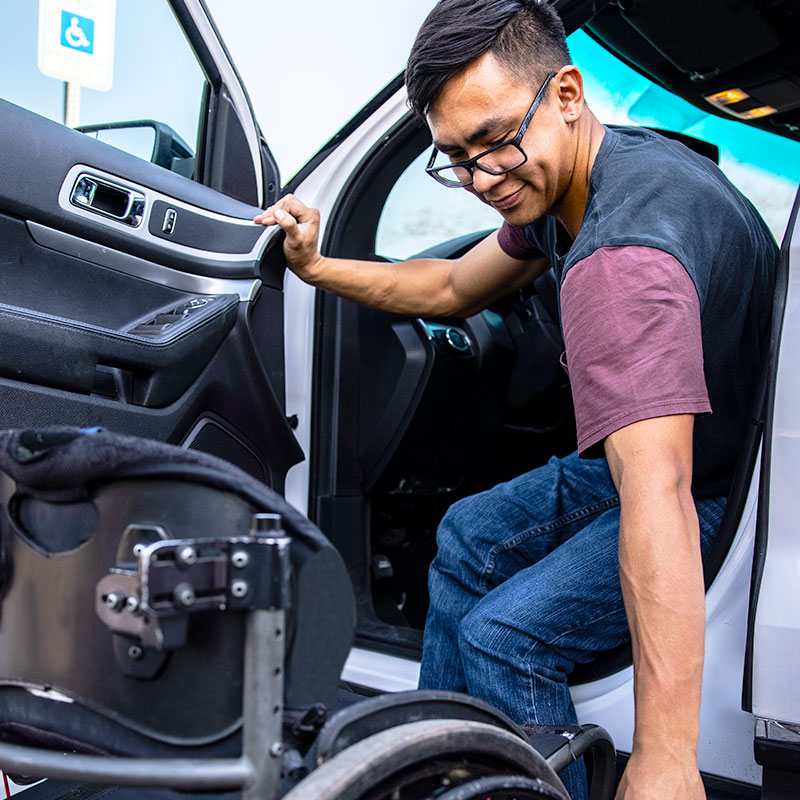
(290, 204)
(286, 221)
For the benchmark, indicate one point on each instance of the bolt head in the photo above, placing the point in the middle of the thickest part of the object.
(115, 601)
(277, 749)
(138, 549)
(186, 556)
(240, 559)
(135, 652)
(132, 604)
(239, 589)
(184, 595)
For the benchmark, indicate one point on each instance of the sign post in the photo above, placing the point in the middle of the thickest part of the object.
(76, 45)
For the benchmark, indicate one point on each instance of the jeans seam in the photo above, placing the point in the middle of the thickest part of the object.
(583, 625)
(519, 538)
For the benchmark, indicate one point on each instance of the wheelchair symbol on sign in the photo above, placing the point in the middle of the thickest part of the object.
(75, 35)
(77, 32)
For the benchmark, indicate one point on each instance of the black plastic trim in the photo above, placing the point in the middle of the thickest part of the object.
(268, 165)
(203, 232)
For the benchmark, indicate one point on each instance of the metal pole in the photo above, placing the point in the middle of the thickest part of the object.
(175, 773)
(72, 104)
(262, 700)
(262, 703)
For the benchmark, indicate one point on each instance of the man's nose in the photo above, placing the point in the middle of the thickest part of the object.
(484, 182)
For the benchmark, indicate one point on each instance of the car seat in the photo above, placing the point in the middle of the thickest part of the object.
(167, 620)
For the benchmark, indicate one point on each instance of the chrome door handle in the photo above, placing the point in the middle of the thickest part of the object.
(102, 197)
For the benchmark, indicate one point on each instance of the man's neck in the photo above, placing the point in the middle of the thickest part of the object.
(572, 206)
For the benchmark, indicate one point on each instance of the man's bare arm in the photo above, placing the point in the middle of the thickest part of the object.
(424, 287)
(662, 585)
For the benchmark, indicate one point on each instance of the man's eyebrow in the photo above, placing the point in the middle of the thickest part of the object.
(485, 129)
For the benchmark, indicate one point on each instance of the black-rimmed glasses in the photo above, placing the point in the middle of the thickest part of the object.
(497, 160)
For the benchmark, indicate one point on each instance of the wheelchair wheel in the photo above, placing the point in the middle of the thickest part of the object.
(422, 760)
(501, 787)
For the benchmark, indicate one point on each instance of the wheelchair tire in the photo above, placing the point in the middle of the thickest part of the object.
(502, 787)
(414, 760)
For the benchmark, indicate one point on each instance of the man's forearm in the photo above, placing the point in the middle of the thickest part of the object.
(419, 287)
(662, 585)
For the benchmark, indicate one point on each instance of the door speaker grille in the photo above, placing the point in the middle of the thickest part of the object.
(210, 437)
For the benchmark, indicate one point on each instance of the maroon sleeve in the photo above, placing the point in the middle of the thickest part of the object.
(631, 321)
(514, 243)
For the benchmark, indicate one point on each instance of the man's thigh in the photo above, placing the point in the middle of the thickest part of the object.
(570, 600)
(497, 532)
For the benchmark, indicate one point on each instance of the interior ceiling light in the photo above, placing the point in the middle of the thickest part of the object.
(738, 103)
(728, 97)
(755, 113)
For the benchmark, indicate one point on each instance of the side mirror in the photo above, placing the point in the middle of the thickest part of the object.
(155, 141)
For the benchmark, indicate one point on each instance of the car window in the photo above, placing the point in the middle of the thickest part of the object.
(139, 86)
(420, 213)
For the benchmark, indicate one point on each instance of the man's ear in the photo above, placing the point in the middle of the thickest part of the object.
(569, 84)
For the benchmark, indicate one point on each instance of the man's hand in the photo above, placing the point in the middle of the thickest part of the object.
(662, 585)
(301, 225)
(661, 775)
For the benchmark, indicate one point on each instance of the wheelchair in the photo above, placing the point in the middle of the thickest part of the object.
(168, 621)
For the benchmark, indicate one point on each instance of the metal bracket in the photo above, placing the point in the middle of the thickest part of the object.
(176, 577)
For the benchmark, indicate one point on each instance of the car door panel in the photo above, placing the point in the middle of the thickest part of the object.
(39, 171)
(153, 308)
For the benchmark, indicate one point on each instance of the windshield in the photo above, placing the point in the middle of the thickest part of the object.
(766, 167)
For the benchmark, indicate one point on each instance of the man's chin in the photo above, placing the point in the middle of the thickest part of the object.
(520, 216)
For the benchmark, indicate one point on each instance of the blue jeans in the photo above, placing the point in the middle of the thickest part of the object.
(525, 585)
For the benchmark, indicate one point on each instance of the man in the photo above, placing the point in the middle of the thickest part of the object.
(665, 275)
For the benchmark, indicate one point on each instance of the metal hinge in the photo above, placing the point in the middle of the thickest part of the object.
(176, 577)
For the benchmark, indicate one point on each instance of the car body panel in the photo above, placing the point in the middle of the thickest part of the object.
(776, 624)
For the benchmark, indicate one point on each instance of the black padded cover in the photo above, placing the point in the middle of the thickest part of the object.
(67, 496)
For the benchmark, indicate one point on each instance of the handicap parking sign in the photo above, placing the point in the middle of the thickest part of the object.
(77, 32)
(76, 41)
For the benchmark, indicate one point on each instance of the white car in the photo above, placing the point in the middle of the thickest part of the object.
(136, 294)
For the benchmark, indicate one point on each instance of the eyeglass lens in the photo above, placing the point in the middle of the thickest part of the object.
(496, 162)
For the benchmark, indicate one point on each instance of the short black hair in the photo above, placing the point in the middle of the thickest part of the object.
(526, 36)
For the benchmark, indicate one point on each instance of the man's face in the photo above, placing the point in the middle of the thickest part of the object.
(484, 105)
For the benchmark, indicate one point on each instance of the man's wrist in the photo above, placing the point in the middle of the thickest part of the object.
(310, 271)
(680, 740)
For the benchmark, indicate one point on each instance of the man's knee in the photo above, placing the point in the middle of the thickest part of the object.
(483, 634)
(457, 534)
(515, 632)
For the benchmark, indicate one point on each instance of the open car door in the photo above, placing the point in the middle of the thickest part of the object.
(136, 293)
(771, 686)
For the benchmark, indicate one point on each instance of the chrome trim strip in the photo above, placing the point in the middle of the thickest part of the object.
(70, 245)
(777, 731)
(142, 231)
(199, 15)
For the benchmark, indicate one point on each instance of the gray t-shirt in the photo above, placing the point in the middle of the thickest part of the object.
(641, 339)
